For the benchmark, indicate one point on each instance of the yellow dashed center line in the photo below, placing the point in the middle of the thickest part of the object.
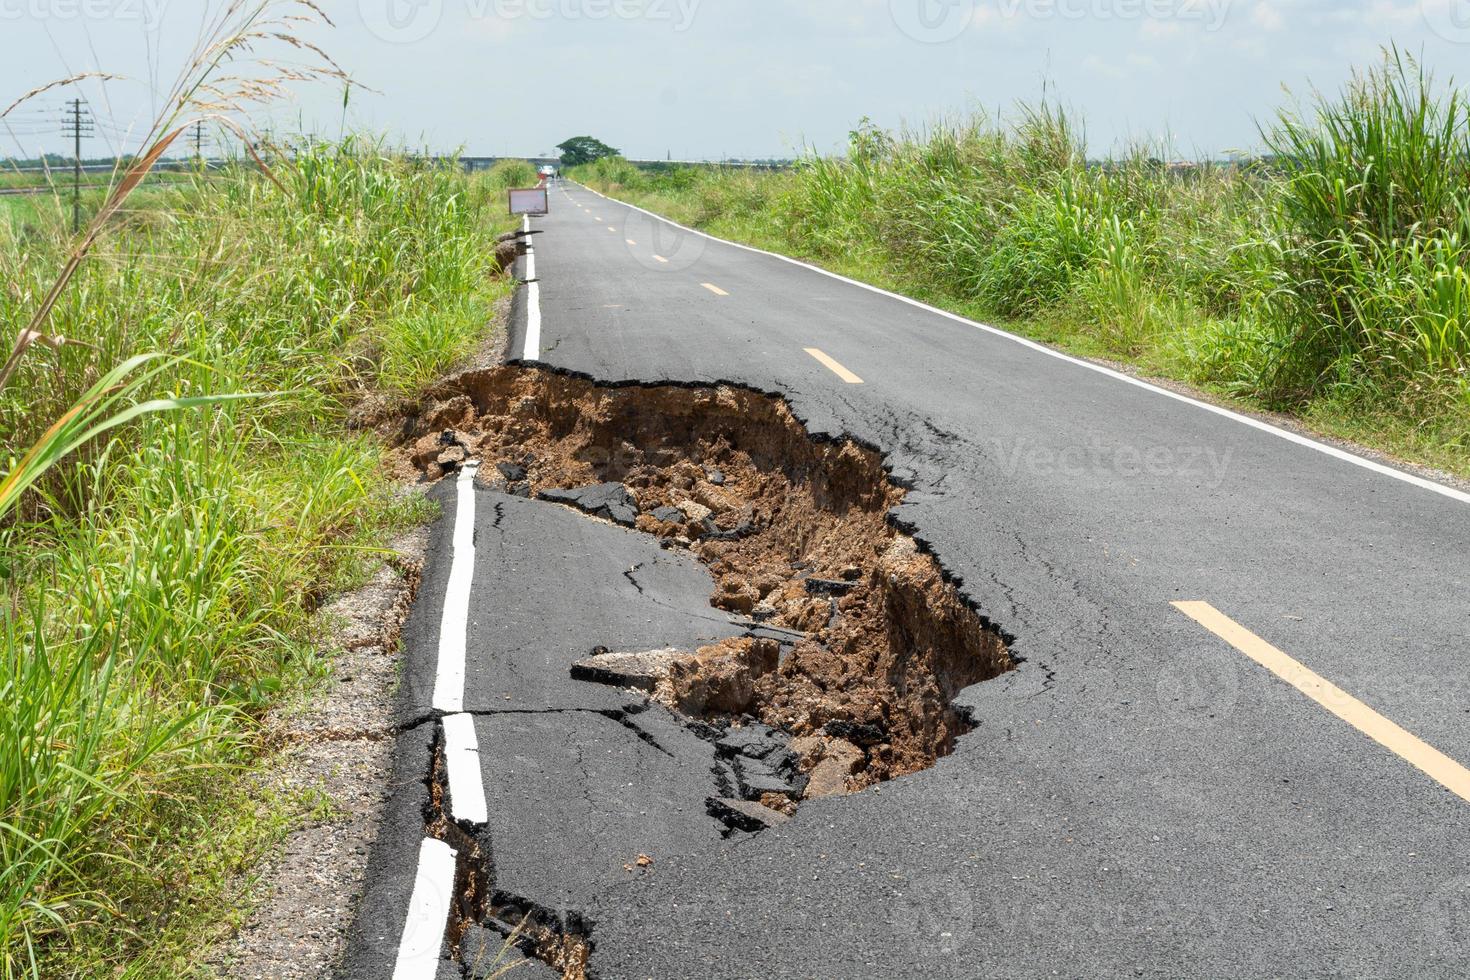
(630, 241)
(834, 367)
(714, 289)
(662, 259)
(1419, 754)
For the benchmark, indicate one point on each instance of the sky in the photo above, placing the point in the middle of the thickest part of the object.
(697, 79)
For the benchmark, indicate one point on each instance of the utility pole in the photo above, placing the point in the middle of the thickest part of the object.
(76, 124)
(197, 137)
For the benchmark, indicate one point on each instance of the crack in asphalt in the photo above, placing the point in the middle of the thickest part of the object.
(626, 720)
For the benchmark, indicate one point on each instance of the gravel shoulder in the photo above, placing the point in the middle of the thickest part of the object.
(336, 739)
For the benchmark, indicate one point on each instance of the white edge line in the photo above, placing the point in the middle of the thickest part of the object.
(428, 913)
(532, 349)
(1289, 436)
(454, 623)
(462, 760)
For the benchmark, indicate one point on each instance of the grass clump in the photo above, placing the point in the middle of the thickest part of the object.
(1369, 242)
(512, 173)
(1330, 278)
(160, 585)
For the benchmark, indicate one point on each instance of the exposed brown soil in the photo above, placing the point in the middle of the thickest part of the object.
(795, 531)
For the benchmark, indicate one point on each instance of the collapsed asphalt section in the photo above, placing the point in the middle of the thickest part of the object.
(742, 628)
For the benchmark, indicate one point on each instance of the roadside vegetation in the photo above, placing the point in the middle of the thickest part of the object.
(160, 581)
(1330, 280)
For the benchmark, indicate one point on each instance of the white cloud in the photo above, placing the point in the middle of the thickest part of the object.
(1253, 48)
(1387, 14)
(1265, 16)
(1156, 29)
(993, 17)
(1098, 66)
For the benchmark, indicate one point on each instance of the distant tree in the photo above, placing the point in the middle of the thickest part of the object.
(584, 149)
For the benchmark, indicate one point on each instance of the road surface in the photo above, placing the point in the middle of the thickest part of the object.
(1230, 750)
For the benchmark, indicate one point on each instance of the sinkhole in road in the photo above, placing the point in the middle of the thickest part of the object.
(859, 644)
(855, 647)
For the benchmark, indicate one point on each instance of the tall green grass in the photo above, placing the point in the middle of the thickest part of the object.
(160, 583)
(1332, 279)
(512, 173)
(1370, 237)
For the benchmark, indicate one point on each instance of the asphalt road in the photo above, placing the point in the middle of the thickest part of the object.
(1143, 796)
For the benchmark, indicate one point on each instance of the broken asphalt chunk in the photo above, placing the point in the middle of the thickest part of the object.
(857, 733)
(609, 500)
(781, 634)
(711, 531)
(642, 670)
(744, 815)
(755, 741)
(512, 472)
(758, 777)
(827, 587)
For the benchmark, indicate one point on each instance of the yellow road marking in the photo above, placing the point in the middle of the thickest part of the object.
(1419, 754)
(662, 259)
(714, 289)
(834, 367)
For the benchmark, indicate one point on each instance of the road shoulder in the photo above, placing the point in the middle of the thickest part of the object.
(336, 740)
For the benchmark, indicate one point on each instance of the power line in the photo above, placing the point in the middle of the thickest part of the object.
(198, 138)
(76, 125)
